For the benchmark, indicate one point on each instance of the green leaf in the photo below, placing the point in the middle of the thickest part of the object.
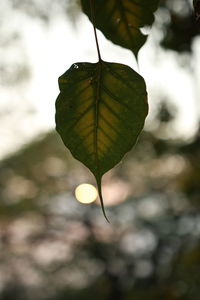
(121, 20)
(100, 112)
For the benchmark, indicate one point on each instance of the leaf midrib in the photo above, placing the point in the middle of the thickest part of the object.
(96, 118)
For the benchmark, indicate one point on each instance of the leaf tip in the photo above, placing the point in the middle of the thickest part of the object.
(101, 198)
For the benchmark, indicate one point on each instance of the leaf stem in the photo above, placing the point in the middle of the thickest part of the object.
(95, 32)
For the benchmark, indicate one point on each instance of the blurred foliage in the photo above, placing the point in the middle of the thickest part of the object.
(179, 26)
(44, 10)
(196, 4)
(61, 249)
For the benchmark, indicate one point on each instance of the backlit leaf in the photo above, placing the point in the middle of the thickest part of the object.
(100, 112)
(121, 20)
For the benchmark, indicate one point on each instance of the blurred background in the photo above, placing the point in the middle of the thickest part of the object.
(54, 247)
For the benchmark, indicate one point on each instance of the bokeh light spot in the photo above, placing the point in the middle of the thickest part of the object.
(86, 193)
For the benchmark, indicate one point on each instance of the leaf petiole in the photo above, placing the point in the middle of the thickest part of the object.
(95, 32)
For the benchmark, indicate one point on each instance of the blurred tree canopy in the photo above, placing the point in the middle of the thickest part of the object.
(52, 247)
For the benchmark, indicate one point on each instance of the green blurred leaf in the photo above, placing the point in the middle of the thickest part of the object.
(100, 112)
(121, 20)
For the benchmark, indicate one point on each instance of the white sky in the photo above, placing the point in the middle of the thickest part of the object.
(50, 51)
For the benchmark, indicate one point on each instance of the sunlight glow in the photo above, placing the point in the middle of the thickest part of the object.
(86, 193)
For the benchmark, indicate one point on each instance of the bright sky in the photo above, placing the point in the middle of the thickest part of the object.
(50, 51)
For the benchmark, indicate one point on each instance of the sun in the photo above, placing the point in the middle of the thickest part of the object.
(86, 193)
